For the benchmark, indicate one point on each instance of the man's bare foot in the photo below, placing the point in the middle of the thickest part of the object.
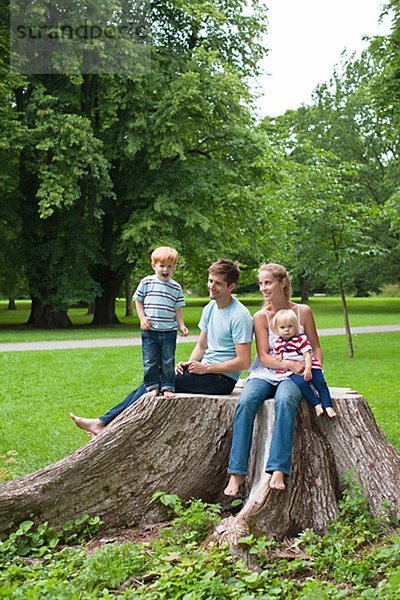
(92, 426)
(277, 482)
(153, 393)
(330, 412)
(235, 481)
(168, 393)
(319, 410)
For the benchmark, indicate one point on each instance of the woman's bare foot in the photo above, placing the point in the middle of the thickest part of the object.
(319, 410)
(277, 482)
(330, 412)
(91, 426)
(235, 481)
(168, 393)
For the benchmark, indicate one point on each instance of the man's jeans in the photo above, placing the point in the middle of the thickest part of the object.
(158, 352)
(287, 397)
(186, 383)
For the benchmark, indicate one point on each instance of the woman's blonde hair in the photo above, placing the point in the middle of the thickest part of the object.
(279, 273)
(286, 316)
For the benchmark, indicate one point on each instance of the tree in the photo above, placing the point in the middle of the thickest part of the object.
(115, 475)
(346, 118)
(112, 164)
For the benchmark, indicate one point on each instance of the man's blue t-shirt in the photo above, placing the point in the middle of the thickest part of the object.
(225, 327)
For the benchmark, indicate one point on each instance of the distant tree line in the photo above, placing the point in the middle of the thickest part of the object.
(97, 169)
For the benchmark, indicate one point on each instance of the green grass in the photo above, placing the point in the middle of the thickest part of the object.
(328, 313)
(39, 389)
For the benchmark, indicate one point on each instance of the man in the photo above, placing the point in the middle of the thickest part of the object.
(222, 351)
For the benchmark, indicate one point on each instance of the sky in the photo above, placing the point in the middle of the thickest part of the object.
(306, 39)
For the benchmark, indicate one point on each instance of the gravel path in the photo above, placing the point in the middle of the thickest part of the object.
(111, 342)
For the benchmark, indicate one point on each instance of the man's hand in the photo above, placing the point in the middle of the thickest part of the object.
(197, 368)
(193, 366)
(181, 367)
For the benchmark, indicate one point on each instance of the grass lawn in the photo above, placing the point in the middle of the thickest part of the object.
(328, 313)
(39, 389)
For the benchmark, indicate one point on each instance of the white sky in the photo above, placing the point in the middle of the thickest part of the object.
(306, 39)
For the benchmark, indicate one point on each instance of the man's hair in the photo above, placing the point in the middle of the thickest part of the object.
(228, 268)
(286, 316)
(164, 254)
(279, 273)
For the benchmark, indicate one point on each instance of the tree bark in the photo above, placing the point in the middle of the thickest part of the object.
(128, 297)
(305, 290)
(43, 316)
(182, 445)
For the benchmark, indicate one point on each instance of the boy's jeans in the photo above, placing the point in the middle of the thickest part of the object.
(158, 351)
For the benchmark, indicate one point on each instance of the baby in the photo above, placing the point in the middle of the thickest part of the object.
(292, 344)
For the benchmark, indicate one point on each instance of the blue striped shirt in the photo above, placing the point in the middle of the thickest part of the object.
(160, 300)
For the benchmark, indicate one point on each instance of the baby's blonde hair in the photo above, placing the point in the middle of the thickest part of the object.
(280, 273)
(286, 316)
(164, 254)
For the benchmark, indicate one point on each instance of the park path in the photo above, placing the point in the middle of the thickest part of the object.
(112, 342)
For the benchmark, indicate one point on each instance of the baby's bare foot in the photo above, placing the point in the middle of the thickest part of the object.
(235, 481)
(277, 481)
(330, 412)
(319, 410)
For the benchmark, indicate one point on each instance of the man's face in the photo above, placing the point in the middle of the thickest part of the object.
(163, 270)
(218, 288)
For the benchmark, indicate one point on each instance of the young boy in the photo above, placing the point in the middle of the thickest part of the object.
(159, 300)
(294, 345)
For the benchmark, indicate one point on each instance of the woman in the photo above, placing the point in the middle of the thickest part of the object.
(263, 382)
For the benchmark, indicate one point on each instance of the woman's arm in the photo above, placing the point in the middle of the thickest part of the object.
(260, 324)
(307, 320)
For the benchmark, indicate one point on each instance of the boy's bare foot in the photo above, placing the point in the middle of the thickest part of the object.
(330, 412)
(153, 393)
(168, 393)
(91, 426)
(319, 410)
(277, 482)
(235, 481)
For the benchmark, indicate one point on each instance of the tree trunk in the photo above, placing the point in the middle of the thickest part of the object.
(43, 316)
(128, 297)
(181, 446)
(11, 304)
(305, 290)
(104, 306)
(346, 320)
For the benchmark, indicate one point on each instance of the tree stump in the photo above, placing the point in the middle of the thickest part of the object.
(181, 446)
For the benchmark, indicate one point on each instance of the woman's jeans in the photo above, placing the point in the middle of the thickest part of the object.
(287, 397)
(158, 352)
(213, 384)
